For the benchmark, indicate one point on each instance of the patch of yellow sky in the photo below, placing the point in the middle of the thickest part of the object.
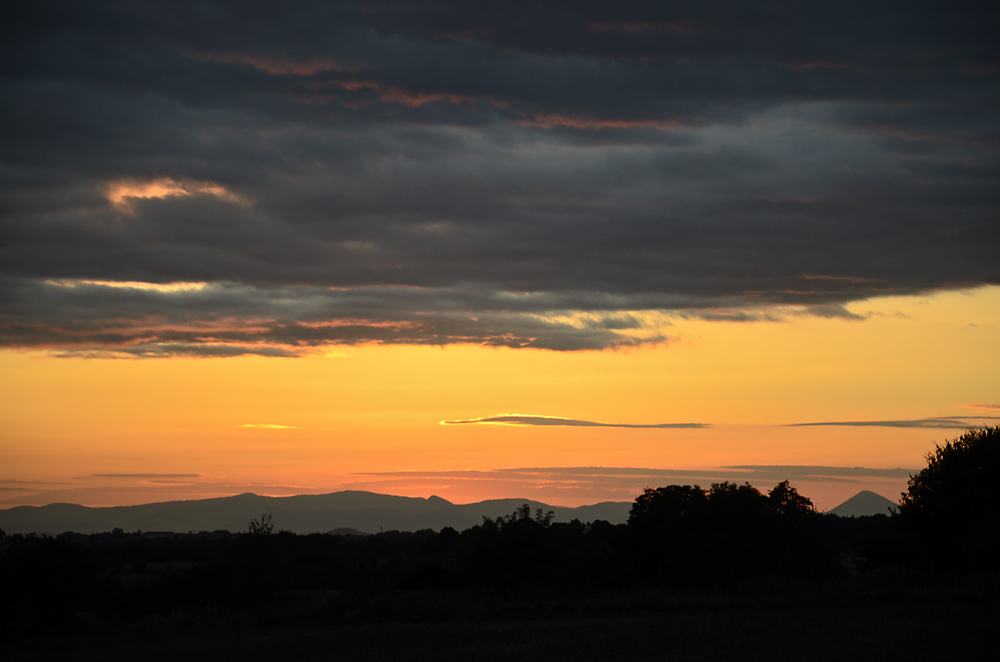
(314, 422)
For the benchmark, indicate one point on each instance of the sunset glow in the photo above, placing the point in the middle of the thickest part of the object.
(719, 395)
(121, 194)
(421, 254)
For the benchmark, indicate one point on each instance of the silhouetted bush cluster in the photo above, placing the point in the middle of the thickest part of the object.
(952, 504)
(683, 535)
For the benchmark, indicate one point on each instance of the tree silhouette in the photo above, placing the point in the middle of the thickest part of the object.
(522, 517)
(666, 506)
(953, 505)
(513, 550)
(262, 526)
(737, 500)
(786, 500)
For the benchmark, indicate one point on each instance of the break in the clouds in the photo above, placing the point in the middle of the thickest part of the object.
(942, 422)
(548, 175)
(529, 420)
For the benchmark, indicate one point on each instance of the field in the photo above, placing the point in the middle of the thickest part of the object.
(947, 621)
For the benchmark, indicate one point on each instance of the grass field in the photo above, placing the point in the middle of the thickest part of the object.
(957, 626)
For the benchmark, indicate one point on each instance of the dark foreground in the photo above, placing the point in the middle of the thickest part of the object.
(723, 574)
(947, 620)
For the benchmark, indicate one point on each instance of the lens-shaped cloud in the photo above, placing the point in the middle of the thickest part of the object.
(942, 422)
(530, 420)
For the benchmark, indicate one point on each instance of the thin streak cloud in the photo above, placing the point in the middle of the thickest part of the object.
(531, 420)
(938, 423)
(155, 476)
(819, 472)
(739, 472)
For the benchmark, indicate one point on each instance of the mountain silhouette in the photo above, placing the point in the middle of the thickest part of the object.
(366, 512)
(864, 504)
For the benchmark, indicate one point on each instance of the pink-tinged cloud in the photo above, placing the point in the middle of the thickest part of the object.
(415, 99)
(530, 420)
(987, 407)
(280, 66)
(552, 120)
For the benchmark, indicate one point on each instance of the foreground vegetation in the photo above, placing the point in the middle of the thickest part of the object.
(723, 573)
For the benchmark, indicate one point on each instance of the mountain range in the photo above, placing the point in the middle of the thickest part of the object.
(363, 512)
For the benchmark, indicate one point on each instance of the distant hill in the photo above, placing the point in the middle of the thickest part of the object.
(864, 504)
(313, 513)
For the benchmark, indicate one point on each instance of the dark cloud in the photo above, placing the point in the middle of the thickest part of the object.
(942, 422)
(524, 419)
(456, 172)
(833, 310)
(227, 319)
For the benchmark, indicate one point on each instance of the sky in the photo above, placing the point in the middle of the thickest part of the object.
(551, 250)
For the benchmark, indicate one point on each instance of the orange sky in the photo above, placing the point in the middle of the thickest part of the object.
(116, 431)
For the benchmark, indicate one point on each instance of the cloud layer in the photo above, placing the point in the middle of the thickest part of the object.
(529, 420)
(438, 173)
(624, 483)
(941, 422)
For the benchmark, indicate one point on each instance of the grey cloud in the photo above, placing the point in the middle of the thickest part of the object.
(150, 350)
(814, 472)
(833, 310)
(88, 319)
(943, 422)
(612, 158)
(528, 420)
